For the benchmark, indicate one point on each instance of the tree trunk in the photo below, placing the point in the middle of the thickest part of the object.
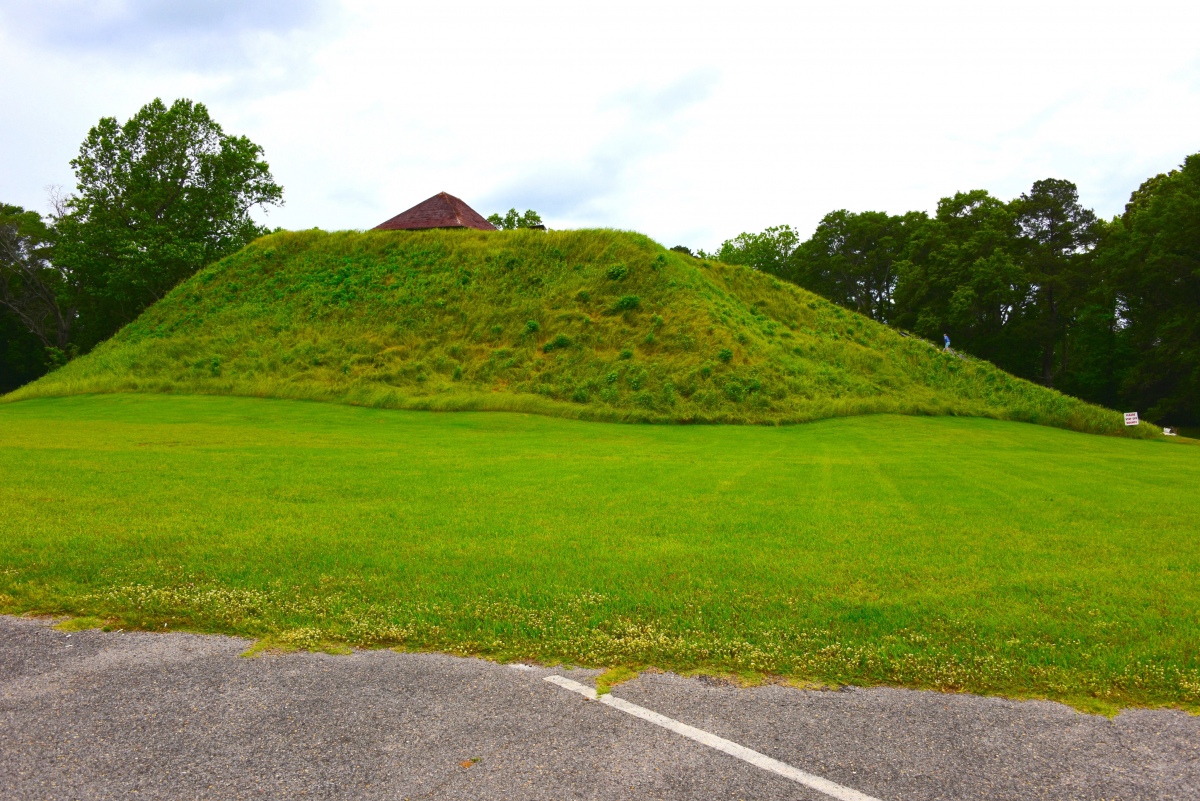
(1048, 343)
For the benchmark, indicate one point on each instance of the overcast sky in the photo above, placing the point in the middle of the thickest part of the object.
(688, 121)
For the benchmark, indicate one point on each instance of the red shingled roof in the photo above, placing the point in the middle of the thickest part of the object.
(440, 211)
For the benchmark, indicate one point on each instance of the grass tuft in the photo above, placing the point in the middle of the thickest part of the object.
(612, 677)
(81, 624)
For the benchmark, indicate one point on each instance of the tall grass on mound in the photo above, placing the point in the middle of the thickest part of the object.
(598, 324)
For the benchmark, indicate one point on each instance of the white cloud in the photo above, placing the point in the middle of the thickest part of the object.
(690, 122)
(205, 33)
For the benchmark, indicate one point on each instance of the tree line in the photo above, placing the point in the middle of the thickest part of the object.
(158, 198)
(1106, 310)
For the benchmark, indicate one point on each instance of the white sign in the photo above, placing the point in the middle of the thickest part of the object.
(1131, 418)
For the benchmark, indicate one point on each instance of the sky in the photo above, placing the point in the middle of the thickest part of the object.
(690, 122)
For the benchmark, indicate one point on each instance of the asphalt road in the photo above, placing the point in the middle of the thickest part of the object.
(95, 715)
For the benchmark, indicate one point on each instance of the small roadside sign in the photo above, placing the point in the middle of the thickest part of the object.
(1131, 418)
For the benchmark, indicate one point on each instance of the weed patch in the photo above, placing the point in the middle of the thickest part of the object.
(612, 677)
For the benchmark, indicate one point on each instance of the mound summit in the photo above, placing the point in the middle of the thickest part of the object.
(591, 324)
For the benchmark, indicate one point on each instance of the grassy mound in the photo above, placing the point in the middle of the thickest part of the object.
(599, 325)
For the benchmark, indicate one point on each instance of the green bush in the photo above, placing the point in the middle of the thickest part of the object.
(627, 303)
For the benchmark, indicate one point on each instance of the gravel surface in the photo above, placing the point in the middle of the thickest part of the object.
(100, 715)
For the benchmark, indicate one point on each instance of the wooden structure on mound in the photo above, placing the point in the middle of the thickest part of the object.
(439, 211)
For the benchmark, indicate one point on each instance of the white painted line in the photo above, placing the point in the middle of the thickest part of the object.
(831, 789)
(573, 686)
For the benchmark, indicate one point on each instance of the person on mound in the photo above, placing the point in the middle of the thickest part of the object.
(947, 338)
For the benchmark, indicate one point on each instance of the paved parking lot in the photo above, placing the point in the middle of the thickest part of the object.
(99, 715)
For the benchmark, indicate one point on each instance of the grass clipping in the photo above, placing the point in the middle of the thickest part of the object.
(595, 324)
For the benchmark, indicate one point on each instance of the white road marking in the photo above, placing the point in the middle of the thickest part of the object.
(832, 789)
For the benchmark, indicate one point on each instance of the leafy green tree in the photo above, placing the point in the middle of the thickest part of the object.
(854, 259)
(964, 277)
(1151, 258)
(159, 197)
(1102, 353)
(513, 220)
(36, 299)
(33, 290)
(770, 251)
(22, 356)
(1109, 312)
(1058, 234)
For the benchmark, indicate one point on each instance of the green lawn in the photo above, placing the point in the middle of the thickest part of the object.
(929, 552)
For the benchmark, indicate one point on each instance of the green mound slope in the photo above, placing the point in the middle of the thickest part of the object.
(601, 325)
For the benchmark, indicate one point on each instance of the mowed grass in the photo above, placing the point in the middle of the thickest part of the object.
(939, 552)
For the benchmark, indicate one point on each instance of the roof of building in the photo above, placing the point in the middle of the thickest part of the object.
(439, 211)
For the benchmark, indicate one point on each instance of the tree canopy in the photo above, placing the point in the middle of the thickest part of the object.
(35, 311)
(1108, 311)
(158, 198)
(512, 220)
(32, 288)
(1151, 257)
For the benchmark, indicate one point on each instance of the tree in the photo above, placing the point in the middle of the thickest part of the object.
(22, 357)
(159, 197)
(963, 276)
(1151, 257)
(854, 259)
(768, 252)
(1102, 353)
(851, 259)
(513, 220)
(37, 294)
(1109, 312)
(1058, 234)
